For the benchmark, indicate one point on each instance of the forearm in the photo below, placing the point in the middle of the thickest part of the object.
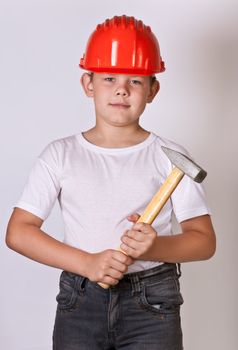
(183, 247)
(35, 244)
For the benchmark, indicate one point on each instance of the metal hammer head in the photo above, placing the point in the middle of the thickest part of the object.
(186, 165)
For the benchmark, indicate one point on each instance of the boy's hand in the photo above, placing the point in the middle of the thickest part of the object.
(107, 267)
(139, 239)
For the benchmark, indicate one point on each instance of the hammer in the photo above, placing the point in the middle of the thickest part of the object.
(182, 165)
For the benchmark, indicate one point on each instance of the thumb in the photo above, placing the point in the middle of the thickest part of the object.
(133, 217)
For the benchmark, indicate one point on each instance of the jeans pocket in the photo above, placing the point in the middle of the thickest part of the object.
(162, 297)
(70, 288)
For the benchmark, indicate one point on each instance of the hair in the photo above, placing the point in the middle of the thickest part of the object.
(152, 79)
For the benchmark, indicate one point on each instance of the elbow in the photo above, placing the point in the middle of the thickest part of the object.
(9, 239)
(210, 248)
(12, 239)
(19, 230)
(213, 251)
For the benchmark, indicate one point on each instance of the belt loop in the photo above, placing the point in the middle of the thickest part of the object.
(135, 283)
(178, 265)
(80, 283)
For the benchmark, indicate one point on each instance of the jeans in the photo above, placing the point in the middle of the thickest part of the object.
(142, 312)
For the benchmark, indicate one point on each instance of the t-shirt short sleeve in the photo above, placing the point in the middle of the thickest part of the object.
(189, 200)
(42, 187)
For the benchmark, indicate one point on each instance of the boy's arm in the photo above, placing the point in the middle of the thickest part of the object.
(25, 236)
(196, 242)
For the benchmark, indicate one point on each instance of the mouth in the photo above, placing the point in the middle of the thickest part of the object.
(119, 105)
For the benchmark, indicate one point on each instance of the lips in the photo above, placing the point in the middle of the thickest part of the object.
(119, 105)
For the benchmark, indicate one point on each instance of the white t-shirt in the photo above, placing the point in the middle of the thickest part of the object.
(97, 188)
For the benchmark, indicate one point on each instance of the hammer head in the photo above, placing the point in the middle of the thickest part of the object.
(186, 165)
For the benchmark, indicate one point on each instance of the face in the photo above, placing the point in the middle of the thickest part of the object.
(119, 99)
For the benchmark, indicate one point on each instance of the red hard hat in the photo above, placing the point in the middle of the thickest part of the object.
(123, 45)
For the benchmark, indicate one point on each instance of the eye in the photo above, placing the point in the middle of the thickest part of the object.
(136, 82)
(110, 79)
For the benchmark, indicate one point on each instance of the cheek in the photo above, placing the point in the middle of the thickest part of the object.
(97, 103)
(142, 100)
(99, 98)
(142, 108)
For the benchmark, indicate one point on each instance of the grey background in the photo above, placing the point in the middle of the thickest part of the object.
(41, 100)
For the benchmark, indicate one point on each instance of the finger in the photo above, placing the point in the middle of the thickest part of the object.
(115, 274)
(122, 258)
(130, 251)
(136, 235)
(118, 266)
(109, 281)
(133, 217)
(130, 242)
(141, 226)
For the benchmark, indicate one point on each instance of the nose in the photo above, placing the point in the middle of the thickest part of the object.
(122, 90)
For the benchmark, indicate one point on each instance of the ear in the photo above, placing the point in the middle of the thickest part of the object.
(154, 89)
(87, 84)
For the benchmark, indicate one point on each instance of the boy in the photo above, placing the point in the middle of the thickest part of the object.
(103, 179)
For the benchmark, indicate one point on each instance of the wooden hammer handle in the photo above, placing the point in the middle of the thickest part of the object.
(158, 201)
(160, 198)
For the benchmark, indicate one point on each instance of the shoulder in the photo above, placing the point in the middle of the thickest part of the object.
(59, 146)
(159, 157)
(162, 141)
(57, 151)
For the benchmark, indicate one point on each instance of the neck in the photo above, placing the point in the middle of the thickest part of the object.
(116, 137)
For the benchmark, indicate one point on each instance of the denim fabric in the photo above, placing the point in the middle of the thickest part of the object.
(141, 313)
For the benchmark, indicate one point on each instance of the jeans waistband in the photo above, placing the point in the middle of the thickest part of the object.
(165, 267)
(136, 279)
